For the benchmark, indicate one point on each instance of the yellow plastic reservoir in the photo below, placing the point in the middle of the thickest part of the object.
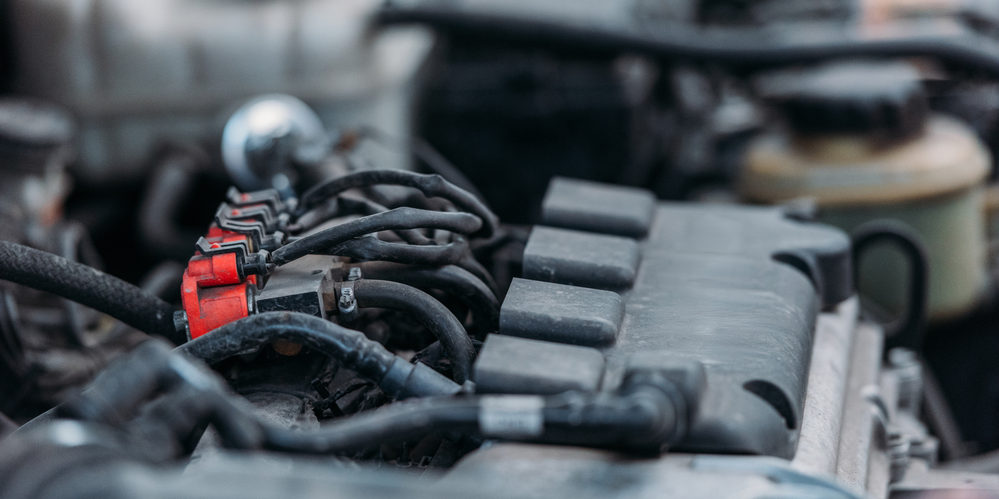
(930, 180)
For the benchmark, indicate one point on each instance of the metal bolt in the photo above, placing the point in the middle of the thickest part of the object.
(925, 448)
(347, 297)
(347, 304)
(898, 455)
(908, 370)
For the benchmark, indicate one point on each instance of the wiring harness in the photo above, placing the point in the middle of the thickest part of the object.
(406, 259)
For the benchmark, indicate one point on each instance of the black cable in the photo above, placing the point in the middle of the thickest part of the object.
(449, 278)
(428, 154)
(431, 185)
(166, 194)
(737, 48)
(370, 248)
(430, 312)
(73, 459)
(428, 253)
(368, 358)
(390, 424)
(646, 414)
(456, 252)
(646, 419)
(346, 205)
(105, 293)
(337, 207)
(118, 391)
(399, 218)
(469, 263)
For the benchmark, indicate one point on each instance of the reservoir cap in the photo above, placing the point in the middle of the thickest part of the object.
(880, 99)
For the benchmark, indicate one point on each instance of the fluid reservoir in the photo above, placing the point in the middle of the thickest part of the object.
(858, 139)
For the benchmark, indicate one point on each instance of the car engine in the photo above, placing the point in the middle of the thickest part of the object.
(483, 248)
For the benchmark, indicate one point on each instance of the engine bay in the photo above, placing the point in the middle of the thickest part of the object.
(457, 248)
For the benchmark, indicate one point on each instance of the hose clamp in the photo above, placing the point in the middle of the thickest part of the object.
(347, 303)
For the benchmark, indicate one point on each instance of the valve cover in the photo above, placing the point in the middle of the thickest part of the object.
(728, 293)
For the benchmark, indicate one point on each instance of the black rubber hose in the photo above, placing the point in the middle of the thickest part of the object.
(907, 330)
(456, 252)
(737, 48)
(449, 278)
(345, 205)
(428, 154)
(117, 392)
(646, 420)
(390, 424)
(163, 281)
(370, 248)
(167, 193)
(399, 218)
(83, 284)
(101, 462)
(430, 312)
(75, 245)
(337, 207)
(368, 358)
(469, 263)
(431, 185)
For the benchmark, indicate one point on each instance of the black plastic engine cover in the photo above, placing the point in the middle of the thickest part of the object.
(734, 288)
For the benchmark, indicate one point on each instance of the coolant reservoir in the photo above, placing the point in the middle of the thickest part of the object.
(861, 143)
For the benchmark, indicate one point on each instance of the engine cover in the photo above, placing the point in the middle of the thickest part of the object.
(728, 294)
